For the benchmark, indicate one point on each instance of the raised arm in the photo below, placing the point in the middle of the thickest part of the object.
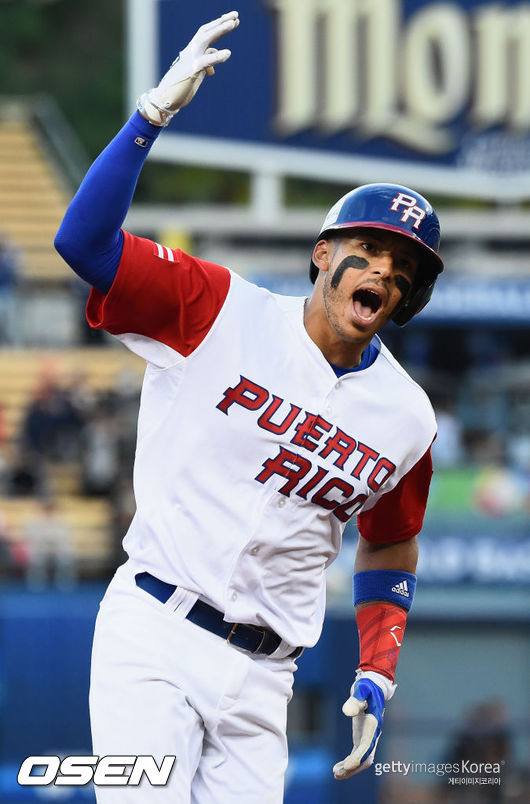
(90, 239)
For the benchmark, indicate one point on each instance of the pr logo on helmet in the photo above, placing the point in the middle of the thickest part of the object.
(408, 206)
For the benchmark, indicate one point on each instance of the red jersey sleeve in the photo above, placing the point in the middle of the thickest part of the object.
(161, 293)
(398, 514)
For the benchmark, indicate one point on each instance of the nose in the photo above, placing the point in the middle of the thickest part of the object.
(383, 265)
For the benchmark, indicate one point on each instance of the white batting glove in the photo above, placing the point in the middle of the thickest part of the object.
(187, 72)
(366, 706)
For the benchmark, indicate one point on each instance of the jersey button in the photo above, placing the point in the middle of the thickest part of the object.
(254, 551)
(281, 502)
(328, 410)
(337, 385)
(234, 596)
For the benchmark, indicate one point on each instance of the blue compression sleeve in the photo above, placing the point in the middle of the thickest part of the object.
(90, 239)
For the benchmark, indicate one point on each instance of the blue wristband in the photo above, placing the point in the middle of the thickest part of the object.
(394, 586)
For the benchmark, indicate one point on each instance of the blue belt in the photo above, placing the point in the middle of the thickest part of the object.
(252, 638)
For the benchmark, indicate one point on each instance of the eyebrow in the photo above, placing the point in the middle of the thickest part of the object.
(408, 249)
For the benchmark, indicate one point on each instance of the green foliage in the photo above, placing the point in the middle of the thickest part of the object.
(178, 184)
(72, 51)
(311, 194)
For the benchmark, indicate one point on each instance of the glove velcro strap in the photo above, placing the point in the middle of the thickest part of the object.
(394, 586)
(152, 111)
(381, 628)
(382, 681)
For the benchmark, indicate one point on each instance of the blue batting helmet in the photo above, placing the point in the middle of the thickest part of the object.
(397, 209)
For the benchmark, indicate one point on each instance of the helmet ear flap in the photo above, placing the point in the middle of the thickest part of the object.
(415, 302)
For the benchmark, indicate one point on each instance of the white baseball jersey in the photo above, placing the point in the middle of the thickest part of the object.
(252, 455)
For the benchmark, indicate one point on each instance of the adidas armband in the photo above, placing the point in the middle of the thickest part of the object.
(393, 586)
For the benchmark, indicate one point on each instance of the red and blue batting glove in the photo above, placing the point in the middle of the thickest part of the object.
(366, 707)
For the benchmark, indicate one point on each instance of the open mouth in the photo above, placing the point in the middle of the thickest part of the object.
(366, 303)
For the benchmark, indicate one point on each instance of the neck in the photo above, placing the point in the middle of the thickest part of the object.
(337, 350)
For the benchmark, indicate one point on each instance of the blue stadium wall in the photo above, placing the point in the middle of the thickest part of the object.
(45, 643)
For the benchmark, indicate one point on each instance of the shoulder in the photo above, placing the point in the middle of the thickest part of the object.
(411, 401)
(402, 378)
(275, 301)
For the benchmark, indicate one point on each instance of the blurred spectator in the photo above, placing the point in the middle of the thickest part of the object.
(99, 454)
(24, 474)
(9, 271)
(484, 738)
(484, 447)
(50, 428)
(13, 556)
(51, 556)
(80, 396)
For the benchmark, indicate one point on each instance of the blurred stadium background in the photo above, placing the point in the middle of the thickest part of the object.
(69, 396)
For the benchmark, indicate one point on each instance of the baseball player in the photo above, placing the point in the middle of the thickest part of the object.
(266, 424)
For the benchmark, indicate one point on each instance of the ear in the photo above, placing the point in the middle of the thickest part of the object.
(322, 254)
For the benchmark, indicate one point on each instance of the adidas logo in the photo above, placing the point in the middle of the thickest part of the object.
(401, 588)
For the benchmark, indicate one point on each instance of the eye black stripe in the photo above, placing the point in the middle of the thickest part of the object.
(359, 263)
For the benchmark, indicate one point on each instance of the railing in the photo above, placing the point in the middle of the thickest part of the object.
(58, 138)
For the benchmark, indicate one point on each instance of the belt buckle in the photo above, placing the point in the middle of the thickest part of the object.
(232, 632)
(254, 628)
(263, 635)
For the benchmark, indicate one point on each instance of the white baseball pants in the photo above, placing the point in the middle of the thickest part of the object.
(161, 685)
